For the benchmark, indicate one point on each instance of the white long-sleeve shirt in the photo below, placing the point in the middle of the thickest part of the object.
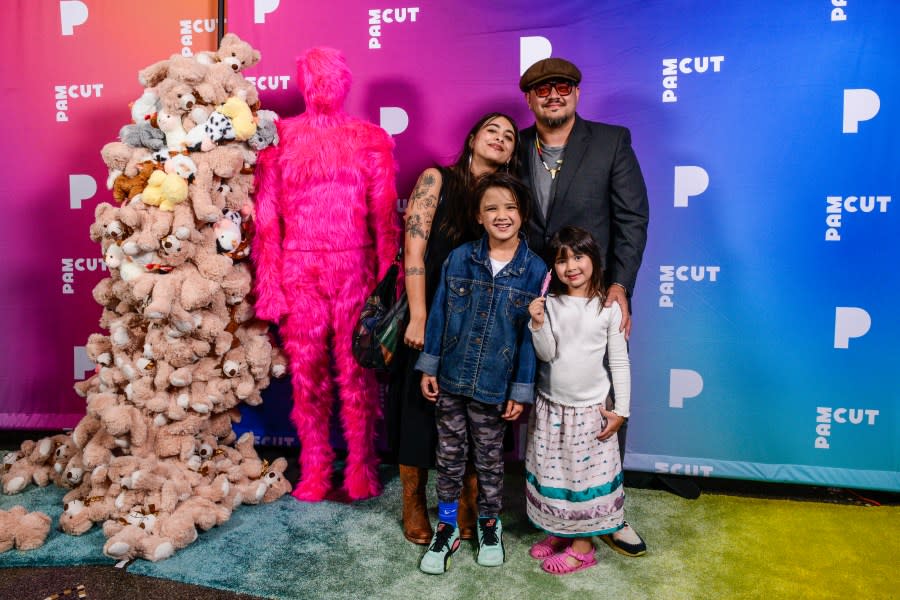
(571, 344)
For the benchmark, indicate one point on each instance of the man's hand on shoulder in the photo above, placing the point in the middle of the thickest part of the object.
(616, 293)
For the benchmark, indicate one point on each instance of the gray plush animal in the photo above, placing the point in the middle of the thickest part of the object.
(143, 135)
(266, 132)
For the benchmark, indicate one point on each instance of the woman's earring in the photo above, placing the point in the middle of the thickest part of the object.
(470, 161)
(507, 166)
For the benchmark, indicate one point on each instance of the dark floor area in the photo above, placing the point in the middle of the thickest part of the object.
(99, 583)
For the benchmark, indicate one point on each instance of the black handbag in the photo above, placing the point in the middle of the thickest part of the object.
(382, 322)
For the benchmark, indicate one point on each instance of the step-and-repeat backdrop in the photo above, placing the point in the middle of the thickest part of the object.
(765, 312)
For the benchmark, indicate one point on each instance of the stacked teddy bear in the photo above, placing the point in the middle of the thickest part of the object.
(154, 459)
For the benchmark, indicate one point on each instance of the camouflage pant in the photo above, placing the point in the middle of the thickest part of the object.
(459, 420)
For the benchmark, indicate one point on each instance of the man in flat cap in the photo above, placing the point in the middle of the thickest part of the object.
(585, 173)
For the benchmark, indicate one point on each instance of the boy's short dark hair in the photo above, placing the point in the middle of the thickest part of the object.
(502, 179)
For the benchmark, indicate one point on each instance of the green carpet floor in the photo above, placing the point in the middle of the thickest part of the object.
(718, 546)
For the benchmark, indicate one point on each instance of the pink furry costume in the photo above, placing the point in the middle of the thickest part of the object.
(326, 218)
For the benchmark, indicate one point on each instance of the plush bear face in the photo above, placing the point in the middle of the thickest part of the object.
(235, 363)
(176, 97)
(61, 456)
(108, 226)
(74, 473)
(237, 54)
(175, 252)
(276, 483)
(99, 349)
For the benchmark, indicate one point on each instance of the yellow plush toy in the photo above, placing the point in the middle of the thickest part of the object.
(165, 190)
(241, 117)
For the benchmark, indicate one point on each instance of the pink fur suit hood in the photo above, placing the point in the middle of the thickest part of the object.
(327, 229)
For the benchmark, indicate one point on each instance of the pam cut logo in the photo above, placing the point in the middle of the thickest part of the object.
(70, 266)
(190, 27)
(64, 93)
(669, 274)
(826, 417)
(838, 205)
(672, 67)
(387, 16)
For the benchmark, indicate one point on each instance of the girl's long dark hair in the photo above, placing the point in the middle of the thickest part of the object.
(577, 241)
(458, 185)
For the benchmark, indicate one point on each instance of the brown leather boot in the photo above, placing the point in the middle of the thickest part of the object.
(467, 514)
(416, 526)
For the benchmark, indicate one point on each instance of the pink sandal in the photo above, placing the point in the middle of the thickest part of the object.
(549, 546)
(557, 565)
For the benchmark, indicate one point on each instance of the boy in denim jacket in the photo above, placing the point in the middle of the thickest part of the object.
(478, 363)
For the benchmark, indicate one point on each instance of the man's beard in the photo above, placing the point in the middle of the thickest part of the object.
(557, 122)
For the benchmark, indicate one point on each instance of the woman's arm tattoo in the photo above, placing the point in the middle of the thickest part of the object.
(414, 227)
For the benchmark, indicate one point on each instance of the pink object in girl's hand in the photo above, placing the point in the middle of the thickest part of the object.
(546, 285)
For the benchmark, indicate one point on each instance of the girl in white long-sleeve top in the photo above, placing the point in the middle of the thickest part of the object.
(574, 484)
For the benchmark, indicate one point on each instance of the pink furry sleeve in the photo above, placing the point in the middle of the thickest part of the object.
(382, 198)
(270, 302)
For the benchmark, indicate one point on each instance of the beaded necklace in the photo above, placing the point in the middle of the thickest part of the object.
(559, 162)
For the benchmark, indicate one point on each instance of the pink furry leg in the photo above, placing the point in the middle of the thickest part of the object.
(305, 336)
(358, 391)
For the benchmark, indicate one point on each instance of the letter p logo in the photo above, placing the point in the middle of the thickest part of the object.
(531, 50)
(683, 383)
(393, 119)
(82, 364)
(263, 7)
(859, 105)
(849, 322)
(71, 14)
(81, 187)
(689, 181)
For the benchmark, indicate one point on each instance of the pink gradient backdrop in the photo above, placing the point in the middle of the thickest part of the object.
(42, 327)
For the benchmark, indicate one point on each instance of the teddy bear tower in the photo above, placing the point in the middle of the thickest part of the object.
(154, 459)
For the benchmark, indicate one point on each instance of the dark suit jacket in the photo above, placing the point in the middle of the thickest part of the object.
(600, 189)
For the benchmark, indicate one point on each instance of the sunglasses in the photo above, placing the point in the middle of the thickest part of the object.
(563, 88)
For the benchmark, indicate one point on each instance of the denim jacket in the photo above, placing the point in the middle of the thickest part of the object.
(476, 338)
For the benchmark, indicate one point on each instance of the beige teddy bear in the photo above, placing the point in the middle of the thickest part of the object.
(177, 67)
(22, 529)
